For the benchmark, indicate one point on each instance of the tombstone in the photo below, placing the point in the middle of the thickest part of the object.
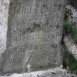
(33, 36)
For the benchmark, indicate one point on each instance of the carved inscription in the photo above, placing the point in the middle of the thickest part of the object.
(18, 55)
(20, 8)
(36, 38)
(58, 6)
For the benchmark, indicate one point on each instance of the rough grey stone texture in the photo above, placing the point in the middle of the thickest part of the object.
(34, 35)
(4, 5)
(56, 72)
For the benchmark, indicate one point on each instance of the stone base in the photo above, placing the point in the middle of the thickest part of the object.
(55, 72)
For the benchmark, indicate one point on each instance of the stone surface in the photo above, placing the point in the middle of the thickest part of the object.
(56, 72)
(71, 46)
(34, 35)
(4, 5)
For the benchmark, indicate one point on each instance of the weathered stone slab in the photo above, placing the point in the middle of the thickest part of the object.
(34, 35)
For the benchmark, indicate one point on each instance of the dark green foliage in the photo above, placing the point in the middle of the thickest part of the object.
(71, 28)
(68, 27)
(71, 62)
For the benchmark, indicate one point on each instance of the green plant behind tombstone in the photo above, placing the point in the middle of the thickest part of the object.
(70, 28)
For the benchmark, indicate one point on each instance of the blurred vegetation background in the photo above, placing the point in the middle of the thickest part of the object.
(70, 28)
